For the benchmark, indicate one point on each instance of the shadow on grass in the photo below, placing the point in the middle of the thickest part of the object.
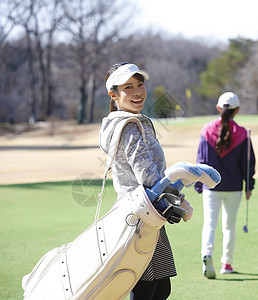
(239, 279)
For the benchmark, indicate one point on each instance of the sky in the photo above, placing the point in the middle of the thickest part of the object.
(215, 20)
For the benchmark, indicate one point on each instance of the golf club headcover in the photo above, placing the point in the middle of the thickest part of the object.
(189, 173)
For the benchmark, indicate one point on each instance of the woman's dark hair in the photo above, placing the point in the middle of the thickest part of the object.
(224, 138)
(113, 106)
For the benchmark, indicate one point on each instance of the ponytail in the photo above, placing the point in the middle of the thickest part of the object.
(113, 106)
(224, 138)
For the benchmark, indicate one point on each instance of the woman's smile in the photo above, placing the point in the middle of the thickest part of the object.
(131, 95)
(137, 101)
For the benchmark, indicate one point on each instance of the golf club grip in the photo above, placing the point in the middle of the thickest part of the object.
(159, 187)
(248, 159)
(247, 174)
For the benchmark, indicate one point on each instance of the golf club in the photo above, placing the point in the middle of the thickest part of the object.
(247, 175)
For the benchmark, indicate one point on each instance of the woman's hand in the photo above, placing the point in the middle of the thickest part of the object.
(248, 195)
(186, 205)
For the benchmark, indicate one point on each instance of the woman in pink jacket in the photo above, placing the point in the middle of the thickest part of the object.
(224, 146)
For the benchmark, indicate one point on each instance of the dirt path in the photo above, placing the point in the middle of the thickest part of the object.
(65, 151)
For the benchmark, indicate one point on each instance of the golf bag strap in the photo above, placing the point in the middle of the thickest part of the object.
(113, 150)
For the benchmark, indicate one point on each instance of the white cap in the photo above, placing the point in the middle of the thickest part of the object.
(229, 99)
(123, 73)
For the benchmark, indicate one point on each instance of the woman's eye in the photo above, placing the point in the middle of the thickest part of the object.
(128, 87)
(141, 84)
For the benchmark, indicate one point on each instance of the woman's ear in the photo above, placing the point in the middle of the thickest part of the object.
(236, 111)
(112, 95)
(218, 108)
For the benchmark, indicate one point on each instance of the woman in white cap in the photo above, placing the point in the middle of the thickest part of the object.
(137, 161)
(224, 146)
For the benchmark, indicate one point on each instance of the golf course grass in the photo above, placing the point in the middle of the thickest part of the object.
(38, 217)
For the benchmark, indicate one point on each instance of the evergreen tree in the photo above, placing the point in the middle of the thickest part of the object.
(221, 71)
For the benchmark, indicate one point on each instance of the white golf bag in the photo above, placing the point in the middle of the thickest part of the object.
(109, 257)
(105, 261)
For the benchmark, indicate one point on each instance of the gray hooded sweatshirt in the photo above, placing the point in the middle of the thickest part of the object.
(138, 162)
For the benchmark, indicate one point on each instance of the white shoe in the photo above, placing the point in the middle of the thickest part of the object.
(208, 268)
(226, 269)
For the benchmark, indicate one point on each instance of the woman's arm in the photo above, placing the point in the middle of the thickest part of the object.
(140, 157)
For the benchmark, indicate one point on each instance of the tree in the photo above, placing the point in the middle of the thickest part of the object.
(90, 40)
(221, 71)
(174, 63)
(247, 82)
(91, 25)
(13, 75)
(6, 23)
(50, 12)
(39, 19)
(22, 15)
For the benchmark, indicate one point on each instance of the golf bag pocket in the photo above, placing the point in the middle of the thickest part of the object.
(125, 279)
(145, 241)
(47, 261)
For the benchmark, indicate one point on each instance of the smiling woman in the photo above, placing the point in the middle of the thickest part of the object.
(131, 95)
(125, 85)
(139, 160)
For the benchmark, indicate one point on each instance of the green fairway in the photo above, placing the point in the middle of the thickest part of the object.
(38, 217)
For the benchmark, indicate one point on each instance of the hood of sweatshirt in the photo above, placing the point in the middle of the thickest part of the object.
(108, 125)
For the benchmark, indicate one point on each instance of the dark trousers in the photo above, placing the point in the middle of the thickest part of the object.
(151, 290)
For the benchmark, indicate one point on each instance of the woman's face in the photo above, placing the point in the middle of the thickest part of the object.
(130, 96)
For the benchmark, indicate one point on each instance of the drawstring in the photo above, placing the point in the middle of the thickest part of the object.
(101, 193)
(112, 152)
